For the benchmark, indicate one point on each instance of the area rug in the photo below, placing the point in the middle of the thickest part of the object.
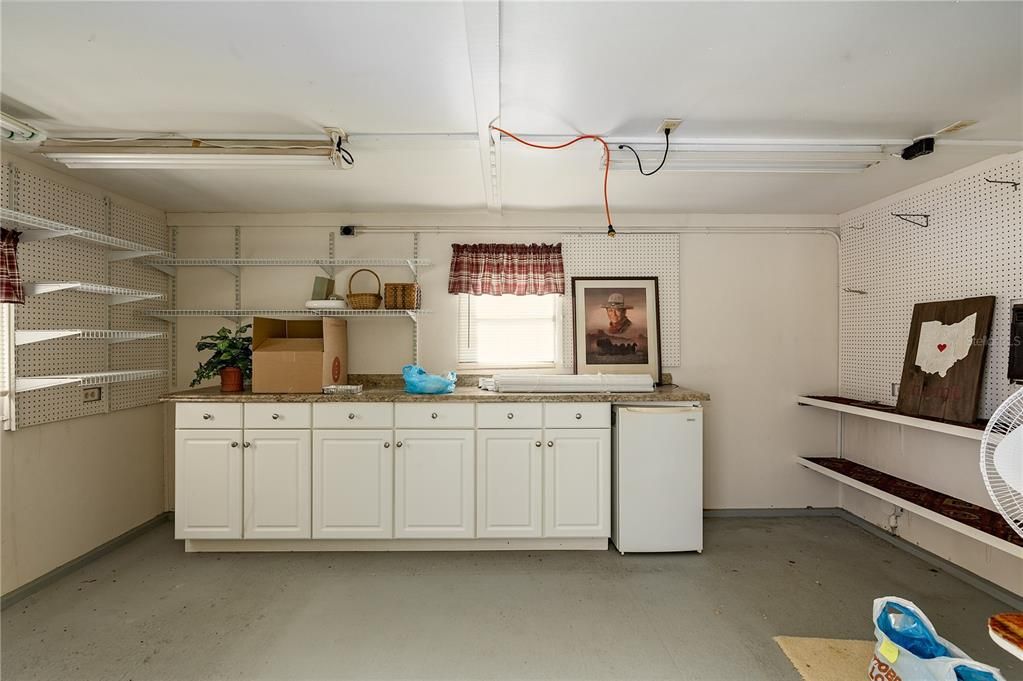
(827, 659)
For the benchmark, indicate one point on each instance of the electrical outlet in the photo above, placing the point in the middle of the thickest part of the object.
(94, 394)
(669, 124)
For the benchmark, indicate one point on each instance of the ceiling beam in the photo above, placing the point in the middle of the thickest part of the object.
(483, 35)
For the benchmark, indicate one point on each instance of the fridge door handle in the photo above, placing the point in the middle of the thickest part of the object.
(661, 410)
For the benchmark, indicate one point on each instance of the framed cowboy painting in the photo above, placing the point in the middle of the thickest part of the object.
(616, 326)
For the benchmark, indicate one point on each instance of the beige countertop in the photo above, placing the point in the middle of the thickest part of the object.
(461, 394)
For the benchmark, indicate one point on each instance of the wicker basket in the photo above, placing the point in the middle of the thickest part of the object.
(363, 301)
(402, 296)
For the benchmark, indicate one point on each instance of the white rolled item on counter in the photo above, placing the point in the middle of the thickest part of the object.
(568, 383)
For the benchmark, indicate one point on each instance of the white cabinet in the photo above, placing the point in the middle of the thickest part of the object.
(277, 484)
(577, 482)
(509, 483)
(208, 489)
(352, 484)
(434, 483)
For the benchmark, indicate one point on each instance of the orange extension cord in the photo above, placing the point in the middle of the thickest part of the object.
(607, 166)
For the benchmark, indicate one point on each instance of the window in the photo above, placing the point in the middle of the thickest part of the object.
(508, 331)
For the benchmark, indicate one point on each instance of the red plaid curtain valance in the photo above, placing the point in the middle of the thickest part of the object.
(11, 289)
(506, 269)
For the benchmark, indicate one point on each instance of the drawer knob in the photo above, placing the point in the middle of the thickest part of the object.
(351, 417)
(234, 444)
(511, 415)
(398, 443)
(539, 444)
(387, 445)
(433, 415)
(550, 443)
(276, 417)
(246, 444)
(578, 417)
(207, 417)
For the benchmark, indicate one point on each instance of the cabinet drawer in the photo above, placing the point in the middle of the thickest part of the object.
(510, 415)
(277, 415)
(577, 415)
(433, 415)
(208, 415)
(353, 415)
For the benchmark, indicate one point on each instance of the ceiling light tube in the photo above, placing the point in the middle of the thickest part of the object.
(178, 161)
(17, 131)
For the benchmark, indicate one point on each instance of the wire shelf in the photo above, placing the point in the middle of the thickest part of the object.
(29, 336)
(117, 295)
(168, 265)
(35, 228)
(85, 380)
(298, 314)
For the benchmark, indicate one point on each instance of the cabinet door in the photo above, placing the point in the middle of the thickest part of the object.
(509, 478)
(434, 484)
(277, 483)
(352, 484)
(208, 484)
(577, 482)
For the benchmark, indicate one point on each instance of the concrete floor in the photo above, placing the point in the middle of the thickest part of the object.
(149, 611)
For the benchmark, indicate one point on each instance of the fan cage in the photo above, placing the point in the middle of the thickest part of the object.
(1009, 501)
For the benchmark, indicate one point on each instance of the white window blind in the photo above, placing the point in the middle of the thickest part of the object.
(508, 331)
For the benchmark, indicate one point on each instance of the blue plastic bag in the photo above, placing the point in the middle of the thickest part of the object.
(909, 648)
(418, 382)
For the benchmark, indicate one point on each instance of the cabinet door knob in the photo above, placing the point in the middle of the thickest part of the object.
(539, 444)
(351, 416)
(578, 417)
(398, 443)
(387, 445)
(511, 415)
(234, 444)
(433, 415)
(246, 444)
(275, 417)
(550, 443)
(207, 417)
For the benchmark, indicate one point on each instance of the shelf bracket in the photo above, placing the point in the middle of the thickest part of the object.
(329, 270)
(914, 218)
(169, 270)
(41, 234)
(234, 270)
(117, 256)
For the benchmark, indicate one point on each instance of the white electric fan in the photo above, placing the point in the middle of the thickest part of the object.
(1001, 460)
(1001, 465)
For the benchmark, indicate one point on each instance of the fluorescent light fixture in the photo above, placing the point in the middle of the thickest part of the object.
(17, 131)
(759, 166)
(755, 157)
(185, 161)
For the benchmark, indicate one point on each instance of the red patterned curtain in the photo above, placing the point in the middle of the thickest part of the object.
(506, 269)
(11, 289)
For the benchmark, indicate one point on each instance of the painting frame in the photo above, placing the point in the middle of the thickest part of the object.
(593, 296)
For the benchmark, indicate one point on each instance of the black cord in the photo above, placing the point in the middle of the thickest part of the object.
(667, 132)
(346, 155)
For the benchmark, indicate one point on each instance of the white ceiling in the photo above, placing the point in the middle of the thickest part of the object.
(805, 70)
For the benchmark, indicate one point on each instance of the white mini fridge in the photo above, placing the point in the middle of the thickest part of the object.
(657, 478)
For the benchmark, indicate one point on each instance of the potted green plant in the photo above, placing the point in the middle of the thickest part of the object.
(231, 359)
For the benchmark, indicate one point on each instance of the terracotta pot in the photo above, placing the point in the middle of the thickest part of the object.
(231, 380)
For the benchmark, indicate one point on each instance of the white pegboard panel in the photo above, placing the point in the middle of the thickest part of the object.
(628, 255)
(73, 260)
(973, 246)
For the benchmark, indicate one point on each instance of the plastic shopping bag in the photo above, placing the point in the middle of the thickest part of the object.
(418, 382)
(909, 649)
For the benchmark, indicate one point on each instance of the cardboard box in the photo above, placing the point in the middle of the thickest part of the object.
(298, 355)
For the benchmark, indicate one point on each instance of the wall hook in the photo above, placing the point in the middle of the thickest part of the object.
(1015, 185)
(909, 217)
(855, 290)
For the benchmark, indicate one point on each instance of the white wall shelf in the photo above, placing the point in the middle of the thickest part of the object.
(328, 265)
(972, 433)
(27, 337)
(236, 315)
(35, 228)
(117, 295)
(913, 508)
(85, 380)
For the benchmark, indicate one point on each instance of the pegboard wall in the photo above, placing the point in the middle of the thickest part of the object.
(628, 255)
(972, 246)
(68, 259)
